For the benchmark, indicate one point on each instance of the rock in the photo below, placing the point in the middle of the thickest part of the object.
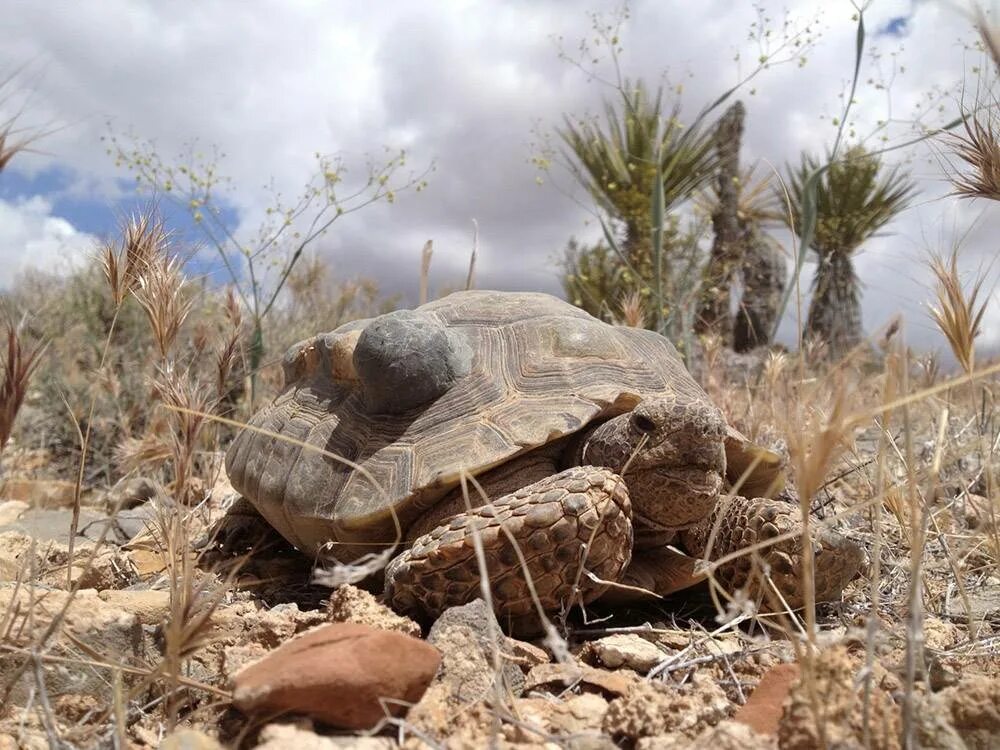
(435, 714)
(282, 622)
(728, 735)
(627, 650)
(74, 707)
(524, 654)
(938, 634)
(39, 493)
(236, 658)
(133, 492)
(555, 678)
(965, 715)
(472, 647)
(295, 737)
(676, 640)
(243, 632)
(975, 710)
(833, 679)
(984, 602)
(437, 722)
(341, 674)
(131, 523)
(150, 607)
(25, 740)
(47, 525)
(114, 635)
(351, 604)
(11, 510)
(763, 709)
(146, 562)
(575, 715)
(732, 735)
(189, 739)
(46, 562)
(588, 742)
(651, 709)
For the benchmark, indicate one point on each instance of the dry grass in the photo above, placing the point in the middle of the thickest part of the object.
(881, 451)
(958, 313)
(143, 237)
(979, 146)
(888, 496)
(18, 367)
(979, 149)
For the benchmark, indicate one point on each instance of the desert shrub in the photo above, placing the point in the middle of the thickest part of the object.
(103, 374)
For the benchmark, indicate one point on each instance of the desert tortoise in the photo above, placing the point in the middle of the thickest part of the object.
(577, 430)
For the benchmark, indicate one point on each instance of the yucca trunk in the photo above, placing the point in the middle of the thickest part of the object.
(835, 310)
(724, 261)
(764, 276)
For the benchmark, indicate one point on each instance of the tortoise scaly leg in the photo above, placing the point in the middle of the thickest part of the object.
(581, 516)
(745, 522)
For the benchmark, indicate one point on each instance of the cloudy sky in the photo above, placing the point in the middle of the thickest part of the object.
(466, 86)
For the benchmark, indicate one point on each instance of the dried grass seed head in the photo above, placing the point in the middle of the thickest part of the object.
(161, 293)
(979, 148)
(957, 314)
(18, 367)
(143, 238)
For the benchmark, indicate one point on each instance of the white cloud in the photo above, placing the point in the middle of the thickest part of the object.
(462, 82)
(31, 237)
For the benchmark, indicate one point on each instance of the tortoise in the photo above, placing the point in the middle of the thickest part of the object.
(598, 453)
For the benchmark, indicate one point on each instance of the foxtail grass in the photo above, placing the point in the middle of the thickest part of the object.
(19, 365)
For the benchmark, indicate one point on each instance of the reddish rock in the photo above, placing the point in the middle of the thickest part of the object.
(338, 673)
(762, 711)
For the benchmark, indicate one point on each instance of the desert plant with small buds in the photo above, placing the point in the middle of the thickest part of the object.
(261, 265)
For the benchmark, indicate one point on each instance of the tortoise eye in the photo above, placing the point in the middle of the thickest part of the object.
(643, 423)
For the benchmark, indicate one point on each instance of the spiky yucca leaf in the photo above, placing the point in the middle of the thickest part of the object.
(855, 197)
(758, 201)
(617, 161)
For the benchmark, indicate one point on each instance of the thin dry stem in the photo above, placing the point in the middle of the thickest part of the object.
(425, 269)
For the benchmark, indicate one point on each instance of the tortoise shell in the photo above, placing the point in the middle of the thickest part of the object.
(378, 418)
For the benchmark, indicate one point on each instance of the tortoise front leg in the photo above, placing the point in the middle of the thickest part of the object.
(564, 525)
(744, 523)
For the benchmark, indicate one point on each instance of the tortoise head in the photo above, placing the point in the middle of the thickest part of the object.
(670, 452)
(406, 359)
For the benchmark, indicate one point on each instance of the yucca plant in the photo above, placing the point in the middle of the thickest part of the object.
(760, 260)
(618, 163)
(855, 196)
(593, 276)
